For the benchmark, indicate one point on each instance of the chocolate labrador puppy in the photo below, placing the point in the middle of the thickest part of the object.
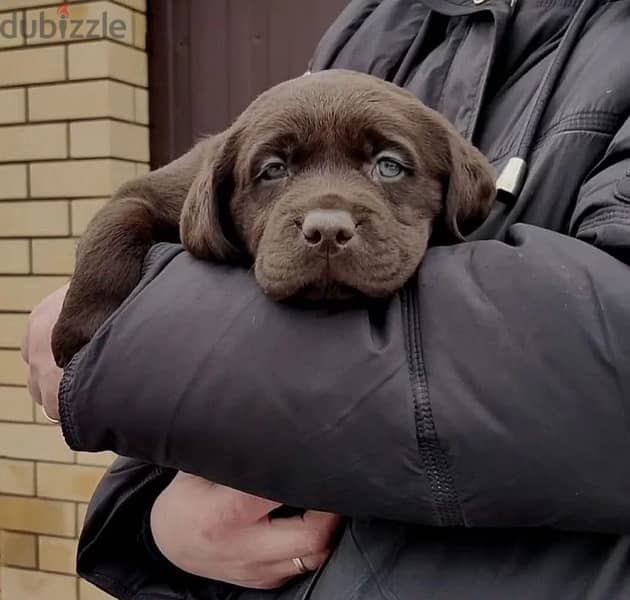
(330, 185)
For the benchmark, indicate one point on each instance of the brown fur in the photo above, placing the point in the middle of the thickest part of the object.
(328, 129)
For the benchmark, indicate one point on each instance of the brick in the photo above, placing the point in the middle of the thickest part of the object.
(10, 4)
(36, 515)
(12, 328)
(19, 584)
(12, 106)
(18, 549)
(142, 106)
(85, 12)
(12, 182)
(34, 219)
(140, 5)
(139, 31)
(12, 370)
(12, 33)
(33, 442)
(88, 592)
(14, 258)
(101, 459)
(83, 212)
(81, 511)
(85, 100)
(57, 554)
(32, 65)
(109, 139)
(67, 482)
(54, 256)
(98, 60)
(17, 477)
(32, 142)
(24, 293)
(15, 404)
(79, 178)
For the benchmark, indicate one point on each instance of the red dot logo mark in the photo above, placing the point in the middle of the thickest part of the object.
(62, 11)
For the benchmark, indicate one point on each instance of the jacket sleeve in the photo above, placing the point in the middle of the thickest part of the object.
(116, 550)
(494, 391)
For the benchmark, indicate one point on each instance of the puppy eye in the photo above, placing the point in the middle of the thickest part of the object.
(274, 170)
(388, 168)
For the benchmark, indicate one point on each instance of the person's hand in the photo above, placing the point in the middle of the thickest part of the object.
(43, 374)
(215, 532)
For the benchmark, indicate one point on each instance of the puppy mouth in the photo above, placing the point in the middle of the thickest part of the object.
(327, 291)
(316, 282)
(323, 283)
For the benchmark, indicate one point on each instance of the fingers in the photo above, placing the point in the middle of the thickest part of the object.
(43, 375)
(267, 576)
(311, 562)
(285, 570)
(320, 527)
(283, 539)
(316, 531)
(33, 387)
(270, 541)
(43, 385)
(31, 378)
(50, 393)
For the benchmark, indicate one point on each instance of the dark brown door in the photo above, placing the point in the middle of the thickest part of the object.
(209, 58)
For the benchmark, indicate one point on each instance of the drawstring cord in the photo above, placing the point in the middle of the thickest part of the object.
(511, 179)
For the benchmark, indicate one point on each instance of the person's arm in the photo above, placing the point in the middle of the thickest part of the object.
(494, 391)
(152, 531)
(113, 552)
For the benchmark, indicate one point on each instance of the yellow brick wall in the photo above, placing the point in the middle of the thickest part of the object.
(73, 126)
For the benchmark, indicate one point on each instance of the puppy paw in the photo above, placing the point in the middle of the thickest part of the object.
(68, 337)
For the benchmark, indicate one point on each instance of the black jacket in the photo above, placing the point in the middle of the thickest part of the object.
(477, 426)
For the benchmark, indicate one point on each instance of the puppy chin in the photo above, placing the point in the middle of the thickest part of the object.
(342, 280)
(328, 292)
(315, 291)
(324, 288)
(275, 283)
(313, 285)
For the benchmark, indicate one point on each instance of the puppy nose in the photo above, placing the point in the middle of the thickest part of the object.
(328, 229)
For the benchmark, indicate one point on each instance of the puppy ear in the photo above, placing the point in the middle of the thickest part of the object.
(206, 229)
(471, 186)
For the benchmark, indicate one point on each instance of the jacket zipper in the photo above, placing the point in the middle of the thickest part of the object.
(447, 512)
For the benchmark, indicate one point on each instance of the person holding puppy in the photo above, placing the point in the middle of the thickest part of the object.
(472, 430)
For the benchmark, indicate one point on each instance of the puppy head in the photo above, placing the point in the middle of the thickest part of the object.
(330, 184)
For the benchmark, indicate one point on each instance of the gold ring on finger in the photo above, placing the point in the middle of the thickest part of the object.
(299, 565)
(48, 417)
